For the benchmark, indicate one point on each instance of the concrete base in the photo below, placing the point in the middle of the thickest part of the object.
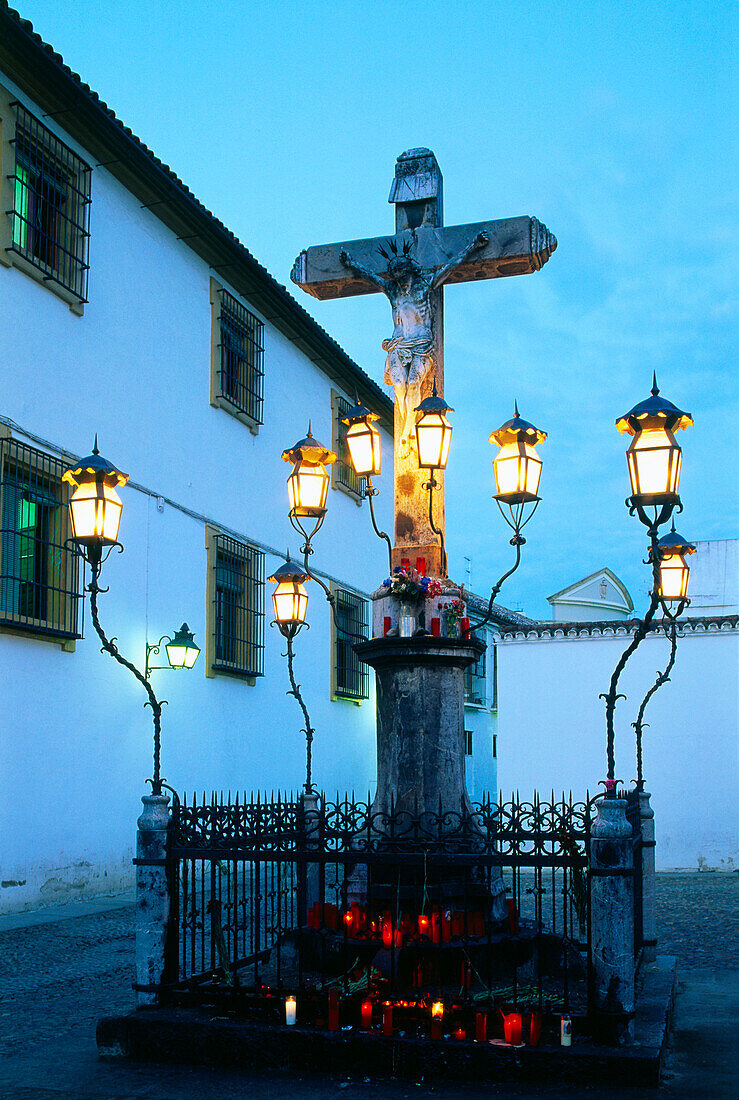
(196, 1036)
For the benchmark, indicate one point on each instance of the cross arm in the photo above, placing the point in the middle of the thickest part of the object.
(516, 246)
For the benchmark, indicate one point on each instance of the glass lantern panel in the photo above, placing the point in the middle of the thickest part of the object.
(95, 516)
(307, 488)
(363, 441)
(673, 574)
(654, 464)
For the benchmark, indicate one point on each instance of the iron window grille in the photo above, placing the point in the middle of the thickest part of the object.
(50, 216)
(475, 684)
(241, 361)
(239, 617)
(351, 676)
(39, 572)
(342, 470)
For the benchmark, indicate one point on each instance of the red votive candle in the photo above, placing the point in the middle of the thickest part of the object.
(481, 1027)
(437, 1017)
(460, 1034)
(421, 566)
(387, 934)
(512, 1028)
(387, 1019)
(333, 1010)
(366, 1015)
(423, 925)
(436, 627)
(348, 918)
(512, 916)
(465, 628)
(535, 1029)
(387, 622)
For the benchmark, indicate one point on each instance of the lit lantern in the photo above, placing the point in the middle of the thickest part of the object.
(307, 485)
(517, 466)
(366, 1013)
(362, 440)
(674, 570)
(289, 599)
(433, 432)
(437, 1019)
(512, 1028)
(182, 651)
(654, 456)
(95, 508)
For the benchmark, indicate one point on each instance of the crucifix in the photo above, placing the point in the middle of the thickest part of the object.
(411, 268)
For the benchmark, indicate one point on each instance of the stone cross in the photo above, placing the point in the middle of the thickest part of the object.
(411, 268)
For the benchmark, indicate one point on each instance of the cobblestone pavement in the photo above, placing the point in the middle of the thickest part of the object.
(57, 978)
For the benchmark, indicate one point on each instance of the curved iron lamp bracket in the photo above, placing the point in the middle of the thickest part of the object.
(430, 485)
(370, 492)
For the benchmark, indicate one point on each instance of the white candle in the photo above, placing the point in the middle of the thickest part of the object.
(565, 1031)
(291, 1010)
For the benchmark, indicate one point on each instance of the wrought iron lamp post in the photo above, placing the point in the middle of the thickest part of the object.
(95, 514)
(673, 592)
(433, 437)
(517, 470)
(654, 460)
(290, 604)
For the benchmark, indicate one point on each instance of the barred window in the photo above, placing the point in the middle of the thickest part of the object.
(39, 574)
(50, 216)
(238, 374)
(236, 626)
(468, 742)
(350, 675)
(342, 471)
(475, 682)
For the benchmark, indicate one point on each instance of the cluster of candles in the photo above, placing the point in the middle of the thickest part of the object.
(440, 926)
(512, 1021)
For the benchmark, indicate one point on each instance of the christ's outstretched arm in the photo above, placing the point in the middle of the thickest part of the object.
(479, 242)
(365, 272)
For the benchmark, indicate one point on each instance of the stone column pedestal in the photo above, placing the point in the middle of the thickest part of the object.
(420, 721)
(313, 885)
(420, 728)
(612, 909)
(152, 896)
(649, 899)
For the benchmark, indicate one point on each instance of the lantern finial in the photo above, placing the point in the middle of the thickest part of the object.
(655, 387)
(516, 413)
(95, 450)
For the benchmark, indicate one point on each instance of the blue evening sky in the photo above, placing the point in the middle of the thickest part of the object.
(609, 120)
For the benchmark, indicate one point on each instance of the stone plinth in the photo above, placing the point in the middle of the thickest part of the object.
(612, 910)
(152, 897)
(649, 899)
(420, 733)
(420, 721)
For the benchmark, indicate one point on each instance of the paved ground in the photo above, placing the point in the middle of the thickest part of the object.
(59, 976)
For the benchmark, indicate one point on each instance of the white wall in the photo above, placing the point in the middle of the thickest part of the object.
(76, 741)
(553, 734)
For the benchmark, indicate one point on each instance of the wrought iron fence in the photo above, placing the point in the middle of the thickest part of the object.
(486, 907)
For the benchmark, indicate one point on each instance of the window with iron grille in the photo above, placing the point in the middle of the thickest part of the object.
(239, 366)
(50, 215)
(475, 682)
(39, 574)
(342, 471)
(236, 631)
(468, 742)
(351, 676)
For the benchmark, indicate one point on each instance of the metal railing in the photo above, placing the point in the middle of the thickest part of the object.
(485, 907)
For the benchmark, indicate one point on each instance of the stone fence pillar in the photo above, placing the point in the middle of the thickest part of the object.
(612, 909)
(649, 899)
(152, 896)
(312, 826)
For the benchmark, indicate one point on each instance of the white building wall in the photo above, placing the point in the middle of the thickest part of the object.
(714, 578)
(76, 740)
(553, 733)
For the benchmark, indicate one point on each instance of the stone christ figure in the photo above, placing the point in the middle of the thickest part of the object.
(410, 349)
